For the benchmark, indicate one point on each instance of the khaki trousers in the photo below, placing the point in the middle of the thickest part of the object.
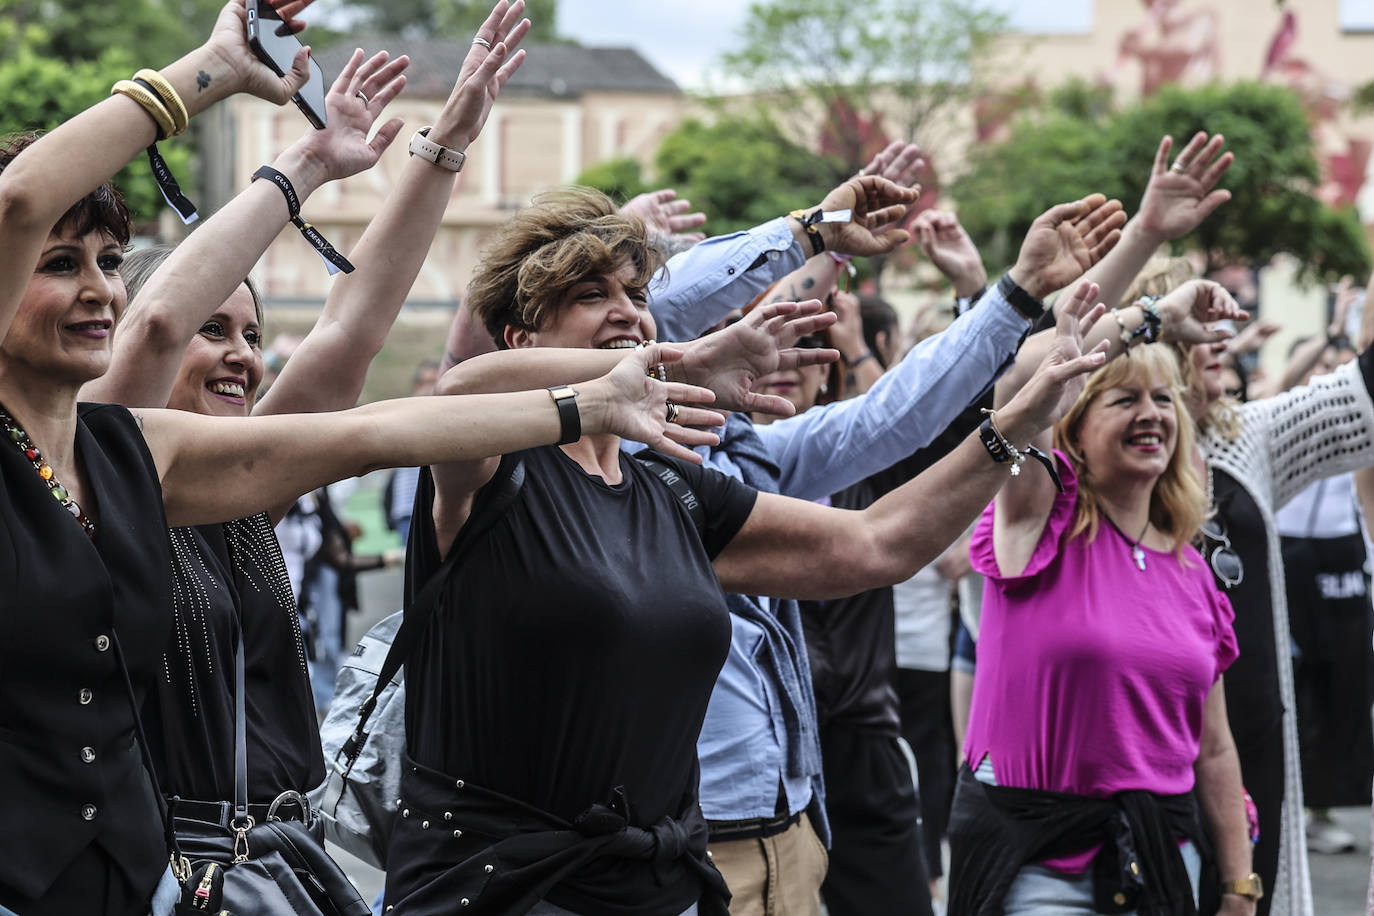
(775, 876)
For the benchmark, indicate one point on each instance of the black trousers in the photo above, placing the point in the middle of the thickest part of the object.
(1330, 618)
(876, 864)
(928, 726)
(1261, 768)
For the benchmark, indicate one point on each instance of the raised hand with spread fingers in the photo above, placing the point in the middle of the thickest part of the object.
(1065, 241)
(667, 215)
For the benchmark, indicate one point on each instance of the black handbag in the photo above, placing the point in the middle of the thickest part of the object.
(238, 867)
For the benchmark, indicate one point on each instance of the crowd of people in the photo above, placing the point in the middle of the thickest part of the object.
(688, 644)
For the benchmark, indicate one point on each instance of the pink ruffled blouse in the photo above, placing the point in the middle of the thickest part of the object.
(1092, 673)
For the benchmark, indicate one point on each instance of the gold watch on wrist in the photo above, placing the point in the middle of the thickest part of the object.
(1249, 886)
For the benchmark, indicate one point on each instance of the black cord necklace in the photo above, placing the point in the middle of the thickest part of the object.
(1137, 552)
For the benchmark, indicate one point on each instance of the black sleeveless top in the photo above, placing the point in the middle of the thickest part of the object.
(71, 776)
(221, 574)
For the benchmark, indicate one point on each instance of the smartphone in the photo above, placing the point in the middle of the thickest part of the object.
(277, 47)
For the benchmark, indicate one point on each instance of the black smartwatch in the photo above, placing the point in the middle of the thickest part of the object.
(569, 417)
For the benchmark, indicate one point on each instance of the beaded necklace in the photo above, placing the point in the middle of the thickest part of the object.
(31, 452)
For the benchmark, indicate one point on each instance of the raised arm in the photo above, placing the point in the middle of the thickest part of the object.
(774, 553)
(327, 371)
(201, 273)
(946, 245)
(1177, 199)
(66, 164)
(707, 282)
(215, 468)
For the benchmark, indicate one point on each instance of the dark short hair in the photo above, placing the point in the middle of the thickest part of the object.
(102, 210)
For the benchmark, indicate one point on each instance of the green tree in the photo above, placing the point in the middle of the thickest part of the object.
(620, 178)
(38, 92)
(84, 30)
(456, 19)
(911, 58)
(1069, 149)
(740, 171)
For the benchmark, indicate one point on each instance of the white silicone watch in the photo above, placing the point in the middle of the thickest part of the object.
(442, 156)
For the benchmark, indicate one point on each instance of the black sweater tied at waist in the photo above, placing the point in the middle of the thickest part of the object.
(463, 848)
(995, 830)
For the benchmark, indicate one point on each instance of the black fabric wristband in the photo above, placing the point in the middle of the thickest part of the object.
(333, 261)
(855, 363)
(569, 417)
(1022, 301)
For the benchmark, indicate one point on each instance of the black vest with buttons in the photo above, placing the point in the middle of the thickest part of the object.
(71, 777)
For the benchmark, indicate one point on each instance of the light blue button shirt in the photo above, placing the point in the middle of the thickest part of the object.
(820, 452)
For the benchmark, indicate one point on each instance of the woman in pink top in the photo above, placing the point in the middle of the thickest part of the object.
(1098, 707)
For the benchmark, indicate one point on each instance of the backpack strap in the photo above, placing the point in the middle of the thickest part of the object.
(505, 487)
(664, 471)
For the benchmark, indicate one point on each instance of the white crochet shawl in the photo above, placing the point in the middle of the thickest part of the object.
(1286, 443)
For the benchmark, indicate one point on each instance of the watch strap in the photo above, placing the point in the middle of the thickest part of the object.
(569, 417)
(442, 156)
(1250, 886)
(1022, 301)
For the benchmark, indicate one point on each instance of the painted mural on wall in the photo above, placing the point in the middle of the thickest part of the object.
(1177, 41)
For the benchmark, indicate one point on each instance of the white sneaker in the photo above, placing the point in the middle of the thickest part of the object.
(1325, 837)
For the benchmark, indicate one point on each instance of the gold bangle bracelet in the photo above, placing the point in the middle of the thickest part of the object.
(150, 102)
(170, 99)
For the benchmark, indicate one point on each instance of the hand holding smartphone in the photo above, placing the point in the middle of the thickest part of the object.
(276, 46)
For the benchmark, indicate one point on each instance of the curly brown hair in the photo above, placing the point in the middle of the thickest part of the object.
(102, 210)
(563, 237)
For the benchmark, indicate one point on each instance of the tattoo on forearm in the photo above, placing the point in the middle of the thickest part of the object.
(202, 81)
(808, 282)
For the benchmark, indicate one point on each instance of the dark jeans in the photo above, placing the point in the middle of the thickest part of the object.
(929, 728)
(876, 863)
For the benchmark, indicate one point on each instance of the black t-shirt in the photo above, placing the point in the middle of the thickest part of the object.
(851, 642)
(576, 644)
(222, 573)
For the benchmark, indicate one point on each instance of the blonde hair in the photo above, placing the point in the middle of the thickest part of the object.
(1178, 503)
(1158, 277)
(562, 238)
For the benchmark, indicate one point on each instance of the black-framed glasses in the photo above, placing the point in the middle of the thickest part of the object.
(1226, 563)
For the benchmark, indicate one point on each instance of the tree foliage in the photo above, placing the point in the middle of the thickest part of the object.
(914, 58)
(39, 91)
(740, 172)
(84, 30)
(457, 19)
(620, 178)
(1073, 147)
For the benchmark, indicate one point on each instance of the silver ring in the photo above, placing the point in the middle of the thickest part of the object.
(479, 40)
(363, 95)
(673, 412)
(1178, 166)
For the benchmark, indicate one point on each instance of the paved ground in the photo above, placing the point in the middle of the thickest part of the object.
(1339, 882)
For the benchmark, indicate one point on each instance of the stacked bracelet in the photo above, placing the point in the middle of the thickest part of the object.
(1003, 452)
(1153, 324)
(162, 103)
(333, 261)
(658, 370)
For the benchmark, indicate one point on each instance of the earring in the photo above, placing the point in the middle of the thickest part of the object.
(824, 388)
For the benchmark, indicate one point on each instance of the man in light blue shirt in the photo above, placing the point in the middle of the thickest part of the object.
(761, 782)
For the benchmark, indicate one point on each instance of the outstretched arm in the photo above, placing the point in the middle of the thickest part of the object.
(66, 164)
(215, 468)
(327, 371)
(774, 553)
(727, 361)
(213, 261)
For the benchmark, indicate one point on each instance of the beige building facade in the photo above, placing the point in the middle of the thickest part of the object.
(566, 109)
